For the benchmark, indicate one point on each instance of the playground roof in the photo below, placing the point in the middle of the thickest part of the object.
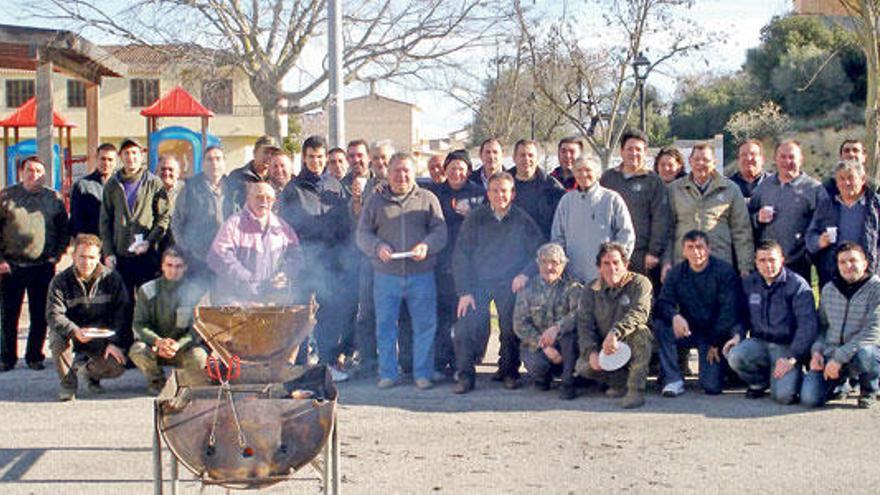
(177, 103)
(26, 116)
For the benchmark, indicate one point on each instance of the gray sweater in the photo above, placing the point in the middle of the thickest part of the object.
(401, 222)
(585, 220)
(845, 325)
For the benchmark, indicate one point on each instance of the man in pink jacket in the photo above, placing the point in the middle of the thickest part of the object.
(255, 254)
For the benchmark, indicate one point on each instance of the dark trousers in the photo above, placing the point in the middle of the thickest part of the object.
(366, 324)
(337, 307)
(471, 333)
(137, 270)
(802, 267)
(447, 303)
(542, 370)
(35, 281)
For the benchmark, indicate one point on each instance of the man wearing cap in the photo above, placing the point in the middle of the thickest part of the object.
(544, 319)
(33, 236)
(458, 197)
(131, 227)
(615, 308)
(87, 193)
(256, 170)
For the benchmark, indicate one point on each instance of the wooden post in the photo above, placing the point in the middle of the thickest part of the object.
(93, 96)
(44, 118)
(5, 155)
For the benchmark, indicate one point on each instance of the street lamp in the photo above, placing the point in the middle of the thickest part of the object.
(640, 67)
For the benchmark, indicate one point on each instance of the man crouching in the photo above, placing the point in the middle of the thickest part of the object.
(86, 301)
(544, 320)
(615, 308)
(163, 315)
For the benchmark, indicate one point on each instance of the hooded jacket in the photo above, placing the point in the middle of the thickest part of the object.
(120, 224)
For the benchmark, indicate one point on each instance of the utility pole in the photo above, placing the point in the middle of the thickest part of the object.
(336, 100)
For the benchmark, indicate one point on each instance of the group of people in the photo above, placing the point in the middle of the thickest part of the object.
(577, 265)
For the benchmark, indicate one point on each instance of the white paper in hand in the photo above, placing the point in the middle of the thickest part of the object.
(613, 362)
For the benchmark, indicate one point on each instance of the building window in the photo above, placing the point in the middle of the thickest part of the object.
(76, 94)
(144, 92)
(18, 91)
(217, 95)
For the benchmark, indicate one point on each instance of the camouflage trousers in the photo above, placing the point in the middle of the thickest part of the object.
(634, 375)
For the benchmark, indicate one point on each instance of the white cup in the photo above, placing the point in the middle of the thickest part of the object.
(832, 234)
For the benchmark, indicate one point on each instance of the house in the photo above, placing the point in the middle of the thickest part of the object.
(152, 72)
(819, 7)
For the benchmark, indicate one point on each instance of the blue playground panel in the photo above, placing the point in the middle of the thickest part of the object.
(180, 134)
(28, 148)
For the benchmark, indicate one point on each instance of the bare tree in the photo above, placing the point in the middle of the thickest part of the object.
(598, 84)
(267, 38)
(865, 22)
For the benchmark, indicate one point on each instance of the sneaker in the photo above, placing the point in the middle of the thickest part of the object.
(67, 394)
(36, 365)
(386, 383)
(633, 400)
(615, 393)
(755, 393)
(673, 389)
(867, 401)
(567, 392)
(337, 374)
(423, 383)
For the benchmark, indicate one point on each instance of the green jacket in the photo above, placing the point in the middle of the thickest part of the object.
(720, 212)
(119, 225)
(33, 226)
(604, 309)
(540, 306)
(164, 309)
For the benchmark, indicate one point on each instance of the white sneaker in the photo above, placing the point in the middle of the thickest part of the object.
(338, 375)
(673, 389)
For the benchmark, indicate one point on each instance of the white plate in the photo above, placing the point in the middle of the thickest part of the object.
(400, 256)
(613, 362)
(99, 333)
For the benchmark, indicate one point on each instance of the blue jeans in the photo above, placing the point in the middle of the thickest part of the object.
(711, 376)
(754, 360)
(420, 293)
(865, 366)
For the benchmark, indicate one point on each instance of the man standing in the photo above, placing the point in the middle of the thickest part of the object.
(567, 151)
(615, 308)
(402, 230)
(436, 169)
(852, 215)
(544, 319)
(87, 192)
(646, 199)
(458, 197)
(782, 326)
(783, 206)
(168, 171)
(750, 167)
(256, 170)
(589, 217)
(697, 307)
(707, 201)
(162, 325)
(83, 301)
(491, 159)
(380, 158)
(33, 236)
(255, 256)
(337, 166)
(493, 260)
(536, 192)
(280, 170)
(849, 332)
(315, 206)
(130, 227)
(198, 215)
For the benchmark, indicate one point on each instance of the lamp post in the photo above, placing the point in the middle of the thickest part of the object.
(640, 67)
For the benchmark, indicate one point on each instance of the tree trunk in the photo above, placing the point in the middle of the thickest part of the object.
(872, 102)
(268, 93)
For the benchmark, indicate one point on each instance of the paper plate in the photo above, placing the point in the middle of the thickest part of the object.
(613, 362)
(99, 333)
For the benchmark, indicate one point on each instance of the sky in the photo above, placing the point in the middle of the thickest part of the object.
(737, 22)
